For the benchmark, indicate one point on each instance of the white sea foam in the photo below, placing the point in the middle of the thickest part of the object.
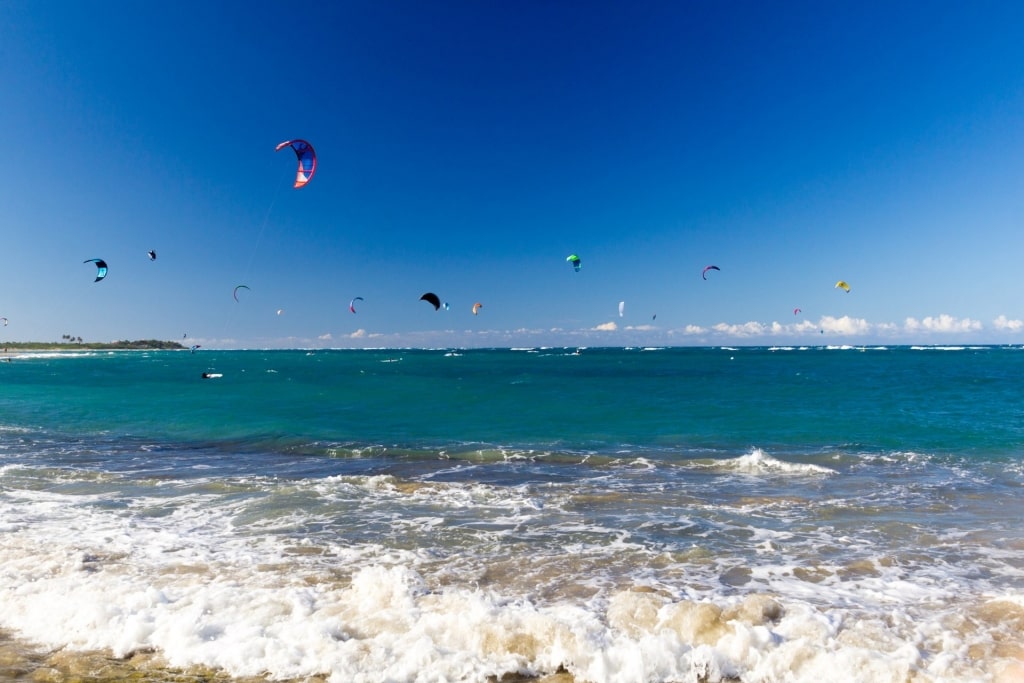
(948, 348)
(386, 624)
(27, 355)
(759, 462)
(15, 429)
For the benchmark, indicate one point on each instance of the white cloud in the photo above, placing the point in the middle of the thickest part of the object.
(844, 329)
(1002, 323)
(844, 325)
(942, 323)
(750, 329)
(887, 328)
(804, 327)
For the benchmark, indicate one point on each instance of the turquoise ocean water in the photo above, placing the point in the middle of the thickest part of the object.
(719, 514)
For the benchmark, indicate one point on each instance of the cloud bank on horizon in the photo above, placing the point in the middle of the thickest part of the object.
(826, 331)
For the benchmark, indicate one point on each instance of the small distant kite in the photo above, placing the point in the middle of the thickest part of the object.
(433, 300)
(476, 307)
(5, 321)
(575, 261)
(306, 158)
(235, 292)
(352, 304)
(797, 311)
(704, 273)
(151, 254)
(192, 349)
(843, 286)
(101, 268)
(622, 308)
(280, 311)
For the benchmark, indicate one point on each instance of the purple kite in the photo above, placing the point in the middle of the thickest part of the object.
(306, 157)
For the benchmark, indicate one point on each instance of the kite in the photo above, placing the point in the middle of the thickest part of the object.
(101, 268)
(352, 304)
(476, 307)
(575, 260)
(704, 273)
(306, 157)
(280, 311)
(235, 292)
(447, 306)
(152, 254)
(432, 299)
(622, 308)
(797, 311)
(192, 349)
(843, 286)
(5, 321)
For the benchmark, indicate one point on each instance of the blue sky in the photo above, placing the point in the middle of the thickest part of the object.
(466, 148)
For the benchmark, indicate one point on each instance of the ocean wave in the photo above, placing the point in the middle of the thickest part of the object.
(30, 355)
(759, 462)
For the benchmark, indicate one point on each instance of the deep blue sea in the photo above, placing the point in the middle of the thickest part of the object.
(616, 515)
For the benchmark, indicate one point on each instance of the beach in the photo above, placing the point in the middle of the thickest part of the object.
(554, 515)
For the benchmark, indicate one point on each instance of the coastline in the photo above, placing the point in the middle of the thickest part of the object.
(12, 350)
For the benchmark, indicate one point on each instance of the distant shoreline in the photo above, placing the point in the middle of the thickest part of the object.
(11, 348)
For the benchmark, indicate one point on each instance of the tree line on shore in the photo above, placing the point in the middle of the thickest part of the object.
(71, 342)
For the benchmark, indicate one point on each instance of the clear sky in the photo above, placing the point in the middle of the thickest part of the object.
(466, 148)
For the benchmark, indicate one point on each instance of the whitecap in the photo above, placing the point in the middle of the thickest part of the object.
(758, 462)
